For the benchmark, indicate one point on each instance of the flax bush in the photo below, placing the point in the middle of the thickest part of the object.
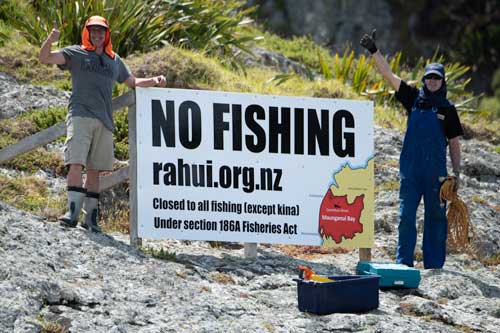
(210, 25)
(137, 26)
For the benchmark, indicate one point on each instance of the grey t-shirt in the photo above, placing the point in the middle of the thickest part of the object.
(92, 82)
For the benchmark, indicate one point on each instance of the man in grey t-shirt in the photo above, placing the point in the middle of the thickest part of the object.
(94, 68)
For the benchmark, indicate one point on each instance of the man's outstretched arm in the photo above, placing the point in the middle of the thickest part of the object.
(155, 81)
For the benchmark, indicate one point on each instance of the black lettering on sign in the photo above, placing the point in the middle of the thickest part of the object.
(255, 143)
(187, 109)
(220, 125)
(237, 132)
(340, 149)
(279, 129)
(298, 123)
(317, 132)
(163, 124)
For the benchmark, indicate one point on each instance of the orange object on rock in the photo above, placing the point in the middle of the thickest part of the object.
(308, 274)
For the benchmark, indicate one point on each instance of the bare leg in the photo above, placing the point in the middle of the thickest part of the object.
(75, 175)
(92, 181)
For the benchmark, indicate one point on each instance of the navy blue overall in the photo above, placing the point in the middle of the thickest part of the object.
(422, 162)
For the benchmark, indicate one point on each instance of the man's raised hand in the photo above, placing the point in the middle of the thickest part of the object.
(54, 34)
(368, 42)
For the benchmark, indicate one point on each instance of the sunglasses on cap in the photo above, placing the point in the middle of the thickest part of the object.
(432, 77)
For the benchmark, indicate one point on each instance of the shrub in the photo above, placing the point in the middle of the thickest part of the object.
(38, 159)
(114, 209)
(160, 254)
(182, 68)
(28, 124)
(31, 194)
(489, 109)
(43, 119)
(136, 25)
(3, 38)
(212, 26)
(121, 134)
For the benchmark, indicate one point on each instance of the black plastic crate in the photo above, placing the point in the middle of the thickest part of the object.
(355, 293)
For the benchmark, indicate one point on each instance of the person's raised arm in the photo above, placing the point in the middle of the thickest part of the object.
(51, 57)
(368, 42)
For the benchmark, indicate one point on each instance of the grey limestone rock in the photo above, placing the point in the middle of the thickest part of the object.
(16, 99)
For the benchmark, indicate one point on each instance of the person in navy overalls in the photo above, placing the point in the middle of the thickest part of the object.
(433, 123)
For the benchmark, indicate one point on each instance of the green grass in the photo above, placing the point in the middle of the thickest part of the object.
(32, 161)
(5, 33)
(160, 254)
(390, 117)
(194, 70)
(43, 119)
(114, 210)
(485, 129)
(300, 49)
(121, 134)
(419, 256)
(392, 185)
(20, 59)
(493, 260)
(488, 117)
(31, 194)
(38, 159)
(13, 130)
(50, 326)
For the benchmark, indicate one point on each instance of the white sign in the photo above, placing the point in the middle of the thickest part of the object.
(254, 168)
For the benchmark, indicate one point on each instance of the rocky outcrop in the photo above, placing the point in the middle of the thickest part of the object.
(16, 99)
(266, 58)
(330, 22)
(88, 282)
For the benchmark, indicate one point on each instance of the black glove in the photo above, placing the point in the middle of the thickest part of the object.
(368, 42)
(456, 177)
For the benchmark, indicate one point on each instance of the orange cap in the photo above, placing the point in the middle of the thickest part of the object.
(87, 44)
(97, 20)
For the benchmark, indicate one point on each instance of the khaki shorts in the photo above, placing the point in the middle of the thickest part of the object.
(89, 143)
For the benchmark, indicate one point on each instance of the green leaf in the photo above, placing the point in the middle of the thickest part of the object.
(325, 69)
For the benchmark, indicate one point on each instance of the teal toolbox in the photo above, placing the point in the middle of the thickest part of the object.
(391, 274)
